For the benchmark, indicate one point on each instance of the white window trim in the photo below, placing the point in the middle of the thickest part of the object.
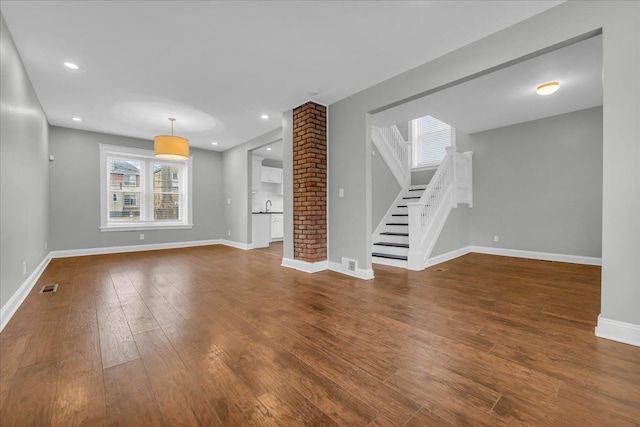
(185, 190)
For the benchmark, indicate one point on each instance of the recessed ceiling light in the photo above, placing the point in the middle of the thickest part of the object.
(268, 148)
(547, 88)
(264, 117)
(214, 143)
(76, 119)
(71, 65)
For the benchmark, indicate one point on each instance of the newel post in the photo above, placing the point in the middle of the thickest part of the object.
(409, 164)
(414, 258)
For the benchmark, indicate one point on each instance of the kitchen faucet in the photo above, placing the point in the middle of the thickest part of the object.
(266, 207)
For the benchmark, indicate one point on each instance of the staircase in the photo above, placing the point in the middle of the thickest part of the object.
(391, 239)
(410, 229)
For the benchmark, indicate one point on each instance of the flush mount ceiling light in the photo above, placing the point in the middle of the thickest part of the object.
(214, 143)
(76, 119)
(171, 147)
(71, 65)
(264, 117)
(268, 148)
(547, 88)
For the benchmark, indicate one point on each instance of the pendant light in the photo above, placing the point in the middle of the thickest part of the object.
(171, 147)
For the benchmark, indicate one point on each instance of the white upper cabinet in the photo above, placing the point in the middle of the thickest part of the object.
(273, 175)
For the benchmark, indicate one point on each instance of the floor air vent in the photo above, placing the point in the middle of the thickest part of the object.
(441, 269)
(350, 265)
(49, 288)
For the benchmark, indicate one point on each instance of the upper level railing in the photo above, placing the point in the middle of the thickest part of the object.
(395, 151)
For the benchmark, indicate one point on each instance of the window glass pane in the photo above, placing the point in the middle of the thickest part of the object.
(166, 190)
(166, 207)
(124, 173)
(124, 206)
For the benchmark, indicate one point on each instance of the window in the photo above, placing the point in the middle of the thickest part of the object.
(130, 180)
(430, 138)
(139, 191)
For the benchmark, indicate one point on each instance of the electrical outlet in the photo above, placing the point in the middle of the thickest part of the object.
(141, 236)
(228, 201)
(496, 238)
(24, 268)
(229, 233)
(341, 192)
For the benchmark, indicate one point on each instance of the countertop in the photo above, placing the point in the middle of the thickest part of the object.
(266, 213)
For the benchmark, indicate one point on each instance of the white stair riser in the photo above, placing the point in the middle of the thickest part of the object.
(390, 250)
(391, 239)
(391, 262)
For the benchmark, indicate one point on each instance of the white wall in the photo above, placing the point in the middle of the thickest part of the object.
(349, 142)
(75, 190)
(24, 170)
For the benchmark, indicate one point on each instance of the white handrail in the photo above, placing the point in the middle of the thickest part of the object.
(427, 215)
(399, 152)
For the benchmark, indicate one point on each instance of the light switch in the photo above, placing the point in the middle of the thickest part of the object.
(341, 192)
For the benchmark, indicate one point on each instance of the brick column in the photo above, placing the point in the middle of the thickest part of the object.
(310, 182)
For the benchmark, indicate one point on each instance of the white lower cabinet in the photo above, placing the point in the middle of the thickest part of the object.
(277, 226)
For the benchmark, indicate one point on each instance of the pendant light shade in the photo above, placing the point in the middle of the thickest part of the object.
(171, 147)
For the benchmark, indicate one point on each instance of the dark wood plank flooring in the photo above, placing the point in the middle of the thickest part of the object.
(219, 336)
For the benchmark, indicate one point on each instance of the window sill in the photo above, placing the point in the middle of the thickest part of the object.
(140, 227)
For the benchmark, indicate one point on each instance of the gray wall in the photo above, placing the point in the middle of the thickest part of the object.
(350, 145)
(272, 163)
(75, 196)
(456, 233)
(287, 182)
(422, 177)
(24, 170)
(538, 185)
(236, 170)
(385, 188)
(404, 130)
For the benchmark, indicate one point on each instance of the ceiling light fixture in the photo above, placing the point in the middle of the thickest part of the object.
(171, 147)
(214, 143)
(264, 117)
(71, 65)
(76, 119)
(268, 148)
(547, 88)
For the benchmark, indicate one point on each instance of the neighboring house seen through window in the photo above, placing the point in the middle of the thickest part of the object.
(430, 138)
(139, 191)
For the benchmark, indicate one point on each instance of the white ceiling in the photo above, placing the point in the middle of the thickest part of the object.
(217, 66)
(507, 96)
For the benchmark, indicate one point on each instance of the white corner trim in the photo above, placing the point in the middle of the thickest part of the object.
(545, 256)
(361, 273)
(438, 259)
(237, 245)
(307, 267)
(11, 306)
(131, 248)
(615, 330)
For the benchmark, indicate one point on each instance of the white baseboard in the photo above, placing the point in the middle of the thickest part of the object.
(360, 273)
(545, 256)
(237, 245)
(447, 256)
(11, 306)
(615, 330)
(308, 267)
(132, 248)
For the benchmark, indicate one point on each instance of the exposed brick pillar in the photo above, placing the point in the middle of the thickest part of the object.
(310, 182)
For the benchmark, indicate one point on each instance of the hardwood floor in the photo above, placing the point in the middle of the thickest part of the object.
(219, 336)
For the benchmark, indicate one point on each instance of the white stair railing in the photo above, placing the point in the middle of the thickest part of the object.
(428, 215)
(395, 151)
